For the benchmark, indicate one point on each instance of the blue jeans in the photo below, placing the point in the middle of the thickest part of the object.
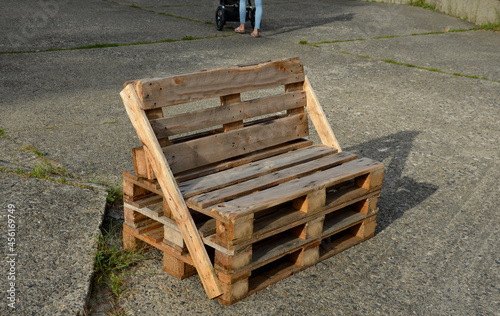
(258, 12)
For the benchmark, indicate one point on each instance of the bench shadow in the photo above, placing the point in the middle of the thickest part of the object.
(400, 192)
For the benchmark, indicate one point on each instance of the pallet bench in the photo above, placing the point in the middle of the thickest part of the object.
(235, 192)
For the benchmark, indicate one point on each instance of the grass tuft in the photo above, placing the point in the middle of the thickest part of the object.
(110, 264)
(490, 27)
(423, 4)
(134, 6)
(115, 194)
(34, 150)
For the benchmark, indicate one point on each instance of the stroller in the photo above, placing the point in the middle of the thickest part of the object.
(229, 11)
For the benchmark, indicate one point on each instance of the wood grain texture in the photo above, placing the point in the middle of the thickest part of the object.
(160, 92)
(296, 188)
(218, 147)
(228, 113)
(252, 170)
(171, 192)
(319, 119)
(242, 160)
(269, 180)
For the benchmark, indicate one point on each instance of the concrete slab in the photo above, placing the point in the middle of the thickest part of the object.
(55, 230)
(60, 24)
(467, 53)
(346, 19)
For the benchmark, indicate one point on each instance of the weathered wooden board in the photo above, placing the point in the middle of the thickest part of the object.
(269, 180)
(171, 191)
(319, 119)
(228, 113)
(155, 93)
(252, 170)
(293, 189)
(211, 149)
(243, 159)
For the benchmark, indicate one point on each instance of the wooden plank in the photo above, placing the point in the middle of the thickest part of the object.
(252, 170)
(155, 235)
(205, 228)
(150, 210)
(185, 257)
(173, 90)
(146, 183)
(243, 159)
(341, 221)
(276, 249)
(150, 186)
(146, 201)
(338, 245)
(210, 149)
(319, 119)
(228, 113)
(171, 191)
(296, 188)
(260, 282)
(269, 180)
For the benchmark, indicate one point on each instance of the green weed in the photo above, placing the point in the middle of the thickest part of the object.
(134, 6)
(490, 27)
(111, 261)
(115, 193)
(33, 150)
(423, 4)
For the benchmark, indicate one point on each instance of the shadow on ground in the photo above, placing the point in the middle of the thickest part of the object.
(400, 193)
(281, 27)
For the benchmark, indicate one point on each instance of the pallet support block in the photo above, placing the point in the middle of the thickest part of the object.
(366, 229)
(176, 267)
(234, 292)
(310, 230)
(368, 206)
(308, 256)
(238, 229)
(311, 202)
(130, 242)
(233, 262)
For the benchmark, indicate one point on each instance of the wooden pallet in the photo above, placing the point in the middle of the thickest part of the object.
(252, 202)
(273, 238)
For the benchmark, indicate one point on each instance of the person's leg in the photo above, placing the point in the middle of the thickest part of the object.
(258, 13)
(258, 17)
(243, 15)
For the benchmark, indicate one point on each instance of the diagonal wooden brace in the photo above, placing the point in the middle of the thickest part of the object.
(319, 119)
(171, 192)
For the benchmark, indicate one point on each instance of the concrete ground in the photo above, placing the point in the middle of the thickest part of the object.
(413, 88)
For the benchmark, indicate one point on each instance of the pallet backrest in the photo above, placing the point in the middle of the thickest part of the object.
(234, 127)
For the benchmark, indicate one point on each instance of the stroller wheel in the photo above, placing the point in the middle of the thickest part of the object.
(220, 18)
